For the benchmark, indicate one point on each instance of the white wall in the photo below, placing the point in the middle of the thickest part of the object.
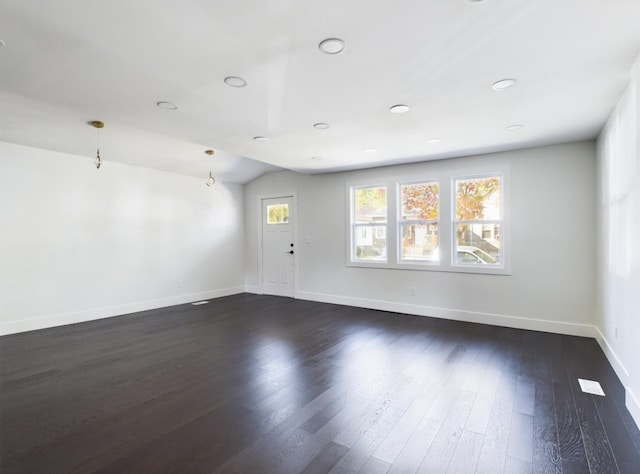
(553, 280)
(78, 243)
(619, 243)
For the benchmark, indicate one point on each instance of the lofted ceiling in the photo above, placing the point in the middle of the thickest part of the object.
(67, 62)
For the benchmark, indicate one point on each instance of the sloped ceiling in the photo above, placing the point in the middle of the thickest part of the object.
(67, 62)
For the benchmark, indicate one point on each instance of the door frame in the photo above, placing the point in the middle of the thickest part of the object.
(294, 235)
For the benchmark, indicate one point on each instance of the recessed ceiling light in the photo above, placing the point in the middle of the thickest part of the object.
(235, 81)
(514, 127)
(163, 104)
(399, 109)
(321, 125)
(369, 150)
(433, 140)
(316, 158)
(331, 46)
(261, 139)
(503, 84)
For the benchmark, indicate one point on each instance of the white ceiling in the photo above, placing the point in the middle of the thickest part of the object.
(67, 62)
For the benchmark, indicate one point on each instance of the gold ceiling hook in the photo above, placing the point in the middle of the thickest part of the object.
(210, 180)
(97, 124)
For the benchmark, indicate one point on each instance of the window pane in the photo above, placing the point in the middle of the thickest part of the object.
(371, 242)
(278, 214)
(420, 242)
(420, 201)
(478, 243)
(478, 199)
(370, 204)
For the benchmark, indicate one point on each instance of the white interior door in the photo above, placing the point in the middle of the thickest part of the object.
(278, 253)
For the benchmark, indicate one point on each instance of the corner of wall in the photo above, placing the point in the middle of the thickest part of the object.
(612, 357)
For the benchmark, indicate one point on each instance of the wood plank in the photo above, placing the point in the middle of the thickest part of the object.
(444, 444)
(467, 453)
(494, 450)
(546, 451)
(481, 412)
(413, 453)
(375, 466)
(571, 444)
(521, 437)
(517, 466)
(327, 458)
(252, 383)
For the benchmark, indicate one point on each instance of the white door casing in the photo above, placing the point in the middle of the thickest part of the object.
(278, 252)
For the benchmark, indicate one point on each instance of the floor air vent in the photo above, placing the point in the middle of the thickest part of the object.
(591, 386)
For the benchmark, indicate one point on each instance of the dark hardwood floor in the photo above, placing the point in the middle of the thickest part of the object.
(258, 384)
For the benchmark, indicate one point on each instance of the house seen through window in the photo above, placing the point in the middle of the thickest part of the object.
(451, 223)
(419, 221)
(478, 218)
(369, 221)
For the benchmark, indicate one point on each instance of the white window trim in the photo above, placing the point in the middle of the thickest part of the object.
(351, 225)
(446, 223)
(504, 267)
(404, 263)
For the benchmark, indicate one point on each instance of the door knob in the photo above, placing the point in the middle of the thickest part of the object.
(290, 251)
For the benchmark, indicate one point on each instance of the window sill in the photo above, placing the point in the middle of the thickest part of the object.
(433, 267)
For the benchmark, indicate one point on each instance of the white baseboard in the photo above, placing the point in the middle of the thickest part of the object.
(614, 360)
(516, 322)
(631, 401)
(31, 324)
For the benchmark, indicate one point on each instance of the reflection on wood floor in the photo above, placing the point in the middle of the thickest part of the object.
(260, 384)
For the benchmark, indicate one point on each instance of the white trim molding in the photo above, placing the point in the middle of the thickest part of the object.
(619, 368)
(632, 404)
(516, 322)
(53, 320)
(631, 400)
(294, 233)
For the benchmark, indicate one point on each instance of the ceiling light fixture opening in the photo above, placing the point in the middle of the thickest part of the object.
(235, 81)
(321, 125)
(316, 158)
(260, 139)
(513, 127)
(332, 46)
(399, 109)
(503, 84)
(166, 105)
